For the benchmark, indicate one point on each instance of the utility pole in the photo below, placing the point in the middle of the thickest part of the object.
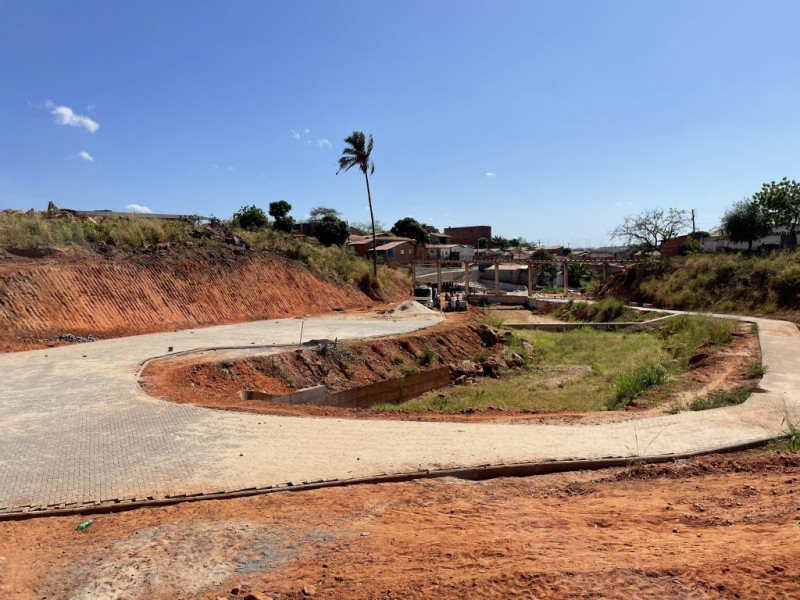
(693, 227)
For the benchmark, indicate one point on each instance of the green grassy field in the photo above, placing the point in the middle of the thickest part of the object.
(582, 370)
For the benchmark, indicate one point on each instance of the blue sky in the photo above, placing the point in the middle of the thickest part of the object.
(547, 120)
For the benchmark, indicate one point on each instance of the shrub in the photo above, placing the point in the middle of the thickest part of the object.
(720, 399)
(251, 218)
(426, 357)
(408, 371)
(754, 370)
(630, 386)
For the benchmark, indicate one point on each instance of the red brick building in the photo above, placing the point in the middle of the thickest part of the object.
(469, 236)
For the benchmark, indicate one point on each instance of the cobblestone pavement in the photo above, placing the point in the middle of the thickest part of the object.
(76, 430)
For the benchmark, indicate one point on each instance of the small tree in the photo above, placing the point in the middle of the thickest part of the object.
(483, 243)
(331, 231)
(280, 212)
(745, 221)
(250, 218)
(781, 203)
(651, 228)
(547, 272)
(410, 228)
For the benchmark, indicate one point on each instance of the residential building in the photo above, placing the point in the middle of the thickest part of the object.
(469, 235)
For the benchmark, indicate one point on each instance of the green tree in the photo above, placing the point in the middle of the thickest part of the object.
(280, 212)
(746, 221)
(410, 228)
(577, 273)
(483, 243)
(781, 203)
(250, 218)
(357, 154)
(499, 240)
(331, 231)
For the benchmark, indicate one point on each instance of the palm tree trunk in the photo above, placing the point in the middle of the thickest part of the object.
(372, 219)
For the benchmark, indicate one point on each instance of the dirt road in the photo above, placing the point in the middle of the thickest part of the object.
(714, 527)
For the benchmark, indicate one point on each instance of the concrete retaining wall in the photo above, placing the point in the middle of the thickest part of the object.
(313, 395)
(629, 326)
(393, 390)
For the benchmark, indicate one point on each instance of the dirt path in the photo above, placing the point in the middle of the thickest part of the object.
(714, 527)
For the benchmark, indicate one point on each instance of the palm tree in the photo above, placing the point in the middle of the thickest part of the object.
(357, 153)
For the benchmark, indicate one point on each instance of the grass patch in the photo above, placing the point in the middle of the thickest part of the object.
(629, 386)
(581, 369)
(607, 310)
(491, 318)
(427, 357)
(720, 399)
(755, 370)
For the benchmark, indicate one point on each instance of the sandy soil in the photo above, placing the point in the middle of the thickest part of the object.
(714, 527)
(193, 379)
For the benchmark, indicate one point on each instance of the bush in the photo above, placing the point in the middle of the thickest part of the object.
(426, 357)
(251, 218)
(720, 399)
(755, 370)
(630, 386)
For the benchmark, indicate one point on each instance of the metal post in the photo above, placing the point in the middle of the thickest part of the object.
(496, 277)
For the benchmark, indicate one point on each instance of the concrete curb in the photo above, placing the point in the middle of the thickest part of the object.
(479, 473)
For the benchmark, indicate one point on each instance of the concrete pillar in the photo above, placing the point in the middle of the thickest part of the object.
(530, 279)
(413, 273)
(496, 277)
(605, 273)
(466, 279)
(439, 280)
(566, 277)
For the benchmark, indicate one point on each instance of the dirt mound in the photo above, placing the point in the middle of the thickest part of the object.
(193, 379)
(83, 292)
(411, 307)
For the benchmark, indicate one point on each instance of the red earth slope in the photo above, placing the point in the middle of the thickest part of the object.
(82, 292)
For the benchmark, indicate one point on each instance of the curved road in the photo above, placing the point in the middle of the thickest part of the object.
(76, 430)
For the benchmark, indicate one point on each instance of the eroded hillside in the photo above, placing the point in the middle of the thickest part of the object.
(46, 293)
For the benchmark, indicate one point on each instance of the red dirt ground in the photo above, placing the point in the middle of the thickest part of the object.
(719, 527)
(132, 292)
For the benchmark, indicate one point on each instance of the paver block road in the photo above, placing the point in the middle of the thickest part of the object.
(76, 429)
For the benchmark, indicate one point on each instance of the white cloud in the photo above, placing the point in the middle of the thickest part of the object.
(86, 156)
(229, 169)
(490, 174)
(138, 208)
(307, 131)
(64, 115)
(324, 143)
(295, 135)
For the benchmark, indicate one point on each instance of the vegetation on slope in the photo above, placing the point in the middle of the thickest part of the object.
(38, 230)
(716, 282)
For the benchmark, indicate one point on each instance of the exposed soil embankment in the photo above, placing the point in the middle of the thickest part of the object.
(82, 292)
(341, 366)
